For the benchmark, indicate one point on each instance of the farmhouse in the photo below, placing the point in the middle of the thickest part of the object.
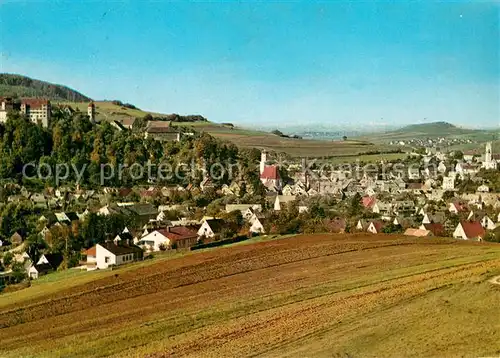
(469, 230)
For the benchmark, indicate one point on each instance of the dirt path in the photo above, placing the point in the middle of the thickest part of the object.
(495, 280)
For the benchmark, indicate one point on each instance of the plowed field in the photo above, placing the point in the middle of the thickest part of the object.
(317, 295)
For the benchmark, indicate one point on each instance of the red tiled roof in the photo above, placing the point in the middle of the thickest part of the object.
(436, 229)
(379, 225)
(35, 102)
(472, 229)
(460, 206)
(368, 201)
(178, 233)
(91, 251)
(270, 172)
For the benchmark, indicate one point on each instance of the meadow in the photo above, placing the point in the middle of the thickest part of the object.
(243, 137)
(306, 295)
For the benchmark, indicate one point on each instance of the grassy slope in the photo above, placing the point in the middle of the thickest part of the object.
(322, 295)
(248, 138)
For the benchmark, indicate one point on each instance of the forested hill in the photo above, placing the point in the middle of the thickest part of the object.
(21, 86)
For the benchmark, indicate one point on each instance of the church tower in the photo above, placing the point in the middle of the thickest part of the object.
(487, 157)
(263, 160)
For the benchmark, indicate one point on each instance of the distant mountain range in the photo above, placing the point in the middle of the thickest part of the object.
(18, 86)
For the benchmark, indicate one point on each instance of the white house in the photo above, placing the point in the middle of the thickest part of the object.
(258, 226)
(449, 183)
(154, 240)
(469, 230)
(109, 254)
(487, 223)
(210, 228)
(375, 227)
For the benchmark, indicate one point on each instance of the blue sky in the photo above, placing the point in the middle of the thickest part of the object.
(335, 63)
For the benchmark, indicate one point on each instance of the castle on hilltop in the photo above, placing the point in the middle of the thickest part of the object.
(37, 110)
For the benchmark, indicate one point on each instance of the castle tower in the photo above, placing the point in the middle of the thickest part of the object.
(91, 111)
(263, 160)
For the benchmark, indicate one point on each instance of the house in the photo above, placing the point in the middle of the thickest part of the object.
(487, 223)
(178, 236)
(281, 200)
(91, 258)
(269, 174)
(437, 229)
(161, 131)
(375, 227)
(47, 263)
(108, 254)
(38, 110)
(417, 232)
(181, 237)
(384, 209)
(17, 238)
(210, 228)
(258, 226)
(404, 222)
(206, 184)
(438, 217)
(449, 183)
(457, 207)
(469, 230)
(368, 202)
(362, 225)
(413, 173)
(243, 207)
(39, 201)
(483, 189)
(441, 167)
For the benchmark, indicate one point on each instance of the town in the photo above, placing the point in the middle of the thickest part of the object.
(86, 226)
(249, 179)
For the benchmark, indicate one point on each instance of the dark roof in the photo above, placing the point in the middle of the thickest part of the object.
(121, 249)
(44, 268)
(437, 229)
(143, 209)
(215, 224)
(54, 260)
(72, 216)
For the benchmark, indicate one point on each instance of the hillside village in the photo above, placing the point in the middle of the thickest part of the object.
(72, 226)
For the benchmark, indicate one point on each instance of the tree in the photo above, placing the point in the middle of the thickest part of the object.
(7, 258)
(344, 138)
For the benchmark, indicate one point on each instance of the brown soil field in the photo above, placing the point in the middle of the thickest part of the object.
(309, 295)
